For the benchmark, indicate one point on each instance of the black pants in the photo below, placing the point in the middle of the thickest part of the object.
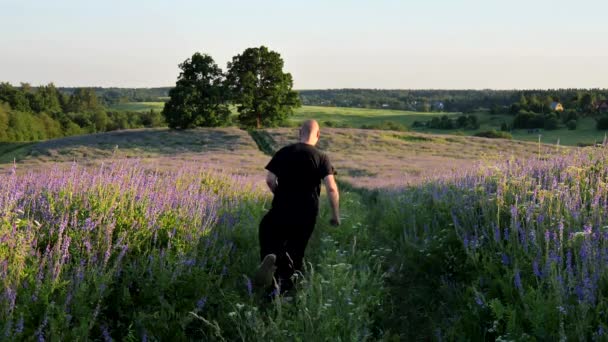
(286, 235)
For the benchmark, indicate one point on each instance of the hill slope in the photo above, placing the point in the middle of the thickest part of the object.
(366, 158)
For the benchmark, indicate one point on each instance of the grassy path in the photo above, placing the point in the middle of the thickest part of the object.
(344, 292)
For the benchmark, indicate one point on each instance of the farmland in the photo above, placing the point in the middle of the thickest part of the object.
(151, 234)
(585, 134)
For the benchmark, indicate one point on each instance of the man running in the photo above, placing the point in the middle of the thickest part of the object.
(294, 177)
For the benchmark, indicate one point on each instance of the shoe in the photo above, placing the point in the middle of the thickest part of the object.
(264, 276)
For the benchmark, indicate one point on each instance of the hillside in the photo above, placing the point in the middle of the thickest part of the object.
(369, 158)
(585, 134)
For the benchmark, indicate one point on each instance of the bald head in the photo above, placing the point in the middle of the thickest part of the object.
(310, 132)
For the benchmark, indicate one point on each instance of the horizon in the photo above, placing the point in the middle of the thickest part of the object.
(435, 45)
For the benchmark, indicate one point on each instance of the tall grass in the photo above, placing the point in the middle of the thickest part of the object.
(516, 252)
(122, 253)
(513, 252)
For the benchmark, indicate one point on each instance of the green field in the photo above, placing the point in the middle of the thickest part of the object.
(138, 106)
(357, 117)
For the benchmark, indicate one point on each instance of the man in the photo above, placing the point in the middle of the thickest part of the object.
(294, 177)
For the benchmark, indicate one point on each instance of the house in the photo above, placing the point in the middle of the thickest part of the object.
(602, 106)
(438, 106)
(556, 106)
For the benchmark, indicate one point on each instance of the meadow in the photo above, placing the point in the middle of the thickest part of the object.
(139, 106)
(585, 134)
(152, 235)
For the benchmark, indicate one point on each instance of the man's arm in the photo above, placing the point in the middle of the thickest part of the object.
(334, 199)
(271, 181)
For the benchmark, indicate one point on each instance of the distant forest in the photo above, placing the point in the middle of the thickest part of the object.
(466, 101)
(36, 113)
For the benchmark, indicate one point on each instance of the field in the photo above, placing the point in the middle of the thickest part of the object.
(366, 158)
(585, 134)
(139, 106)
(152, 235)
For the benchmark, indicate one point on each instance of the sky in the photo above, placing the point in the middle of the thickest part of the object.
(430, 44)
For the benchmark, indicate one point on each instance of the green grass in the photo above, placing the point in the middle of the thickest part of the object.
(139, 106)
(357, 117)
(584, 134)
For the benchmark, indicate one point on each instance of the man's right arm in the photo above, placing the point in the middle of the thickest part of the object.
(334, 199)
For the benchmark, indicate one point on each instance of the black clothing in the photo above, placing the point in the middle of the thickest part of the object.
(287, 227)
(299, 168)
(287, 242)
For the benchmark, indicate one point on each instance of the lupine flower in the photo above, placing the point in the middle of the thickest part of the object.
(535, 268)
(517, 280)
(249, 286)
(200, 304)
(505, 259)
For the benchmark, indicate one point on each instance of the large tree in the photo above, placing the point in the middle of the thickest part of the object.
(199, 97)
(262, 91)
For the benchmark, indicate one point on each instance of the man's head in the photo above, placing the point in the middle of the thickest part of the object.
(310, 132)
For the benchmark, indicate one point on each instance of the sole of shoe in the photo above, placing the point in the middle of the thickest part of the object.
(265, 272)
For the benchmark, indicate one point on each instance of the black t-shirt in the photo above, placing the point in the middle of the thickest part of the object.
(299, 168)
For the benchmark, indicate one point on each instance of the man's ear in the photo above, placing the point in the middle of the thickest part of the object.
(318, 134)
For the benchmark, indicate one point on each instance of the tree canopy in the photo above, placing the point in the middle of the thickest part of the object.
(260, 89)
(199, 97)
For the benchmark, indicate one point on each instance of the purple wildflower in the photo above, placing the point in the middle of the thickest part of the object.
(505, 259)
(517, 280)
(535, 268)
(106, 334)
(496, 233)
(200, 304)
(19, 326)
(478, 300)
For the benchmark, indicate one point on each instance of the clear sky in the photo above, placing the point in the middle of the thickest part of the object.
(325, 43)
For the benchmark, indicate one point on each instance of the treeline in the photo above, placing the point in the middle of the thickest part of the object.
(114, 95)
(445, 122)
(29, 114)
(466, 101)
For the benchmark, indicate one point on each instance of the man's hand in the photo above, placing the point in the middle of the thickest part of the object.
(335, 222)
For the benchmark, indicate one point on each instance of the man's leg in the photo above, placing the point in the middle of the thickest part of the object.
(292, 260)
(271, 245)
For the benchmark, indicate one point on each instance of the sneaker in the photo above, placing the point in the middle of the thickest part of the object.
(264, 276)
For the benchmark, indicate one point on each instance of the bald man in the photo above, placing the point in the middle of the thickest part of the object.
(294, 176)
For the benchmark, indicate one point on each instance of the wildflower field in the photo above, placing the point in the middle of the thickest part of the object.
(511, 250)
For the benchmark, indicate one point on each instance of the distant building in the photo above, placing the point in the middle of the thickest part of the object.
(438, 106)
(602, 106)
(556, 106)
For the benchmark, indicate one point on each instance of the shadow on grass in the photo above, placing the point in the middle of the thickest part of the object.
(13, 151)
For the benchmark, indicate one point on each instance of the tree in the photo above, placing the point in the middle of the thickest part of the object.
(14, 97)
(83, 100)
(46, 99)
(4, 117)
(199, 97)
(586, 102)
(100, 120)
(262, 91)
